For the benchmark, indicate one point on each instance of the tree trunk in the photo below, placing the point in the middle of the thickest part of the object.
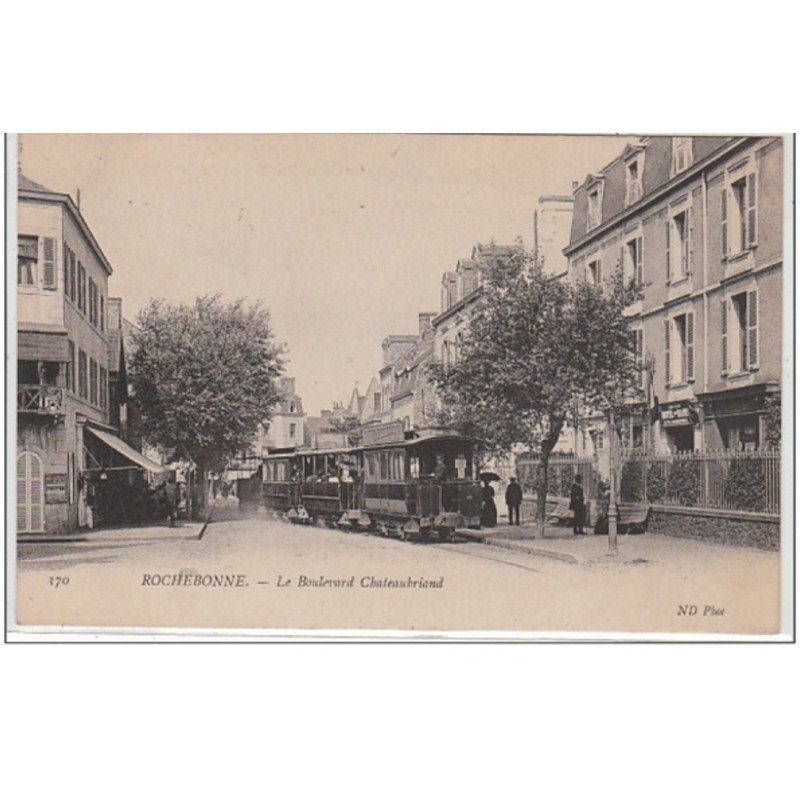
(544, 461)
(546, 448)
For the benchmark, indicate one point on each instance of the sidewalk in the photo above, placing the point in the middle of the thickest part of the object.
(185, 529)
(557, 543)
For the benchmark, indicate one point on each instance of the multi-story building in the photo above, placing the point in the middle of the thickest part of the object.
(552, 223)
(287, 427)
(696, 226)
(66, 442)
(460, 289)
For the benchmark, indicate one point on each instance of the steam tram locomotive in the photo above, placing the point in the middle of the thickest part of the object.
(410, 488)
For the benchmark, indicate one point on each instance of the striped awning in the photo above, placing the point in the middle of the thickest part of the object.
(39, 346)
(127, 451)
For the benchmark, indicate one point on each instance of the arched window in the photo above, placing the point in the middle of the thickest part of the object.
(30, 494)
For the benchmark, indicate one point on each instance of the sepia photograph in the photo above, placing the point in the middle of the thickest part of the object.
(381, 386)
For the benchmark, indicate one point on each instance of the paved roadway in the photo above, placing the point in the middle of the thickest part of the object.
(278, 576)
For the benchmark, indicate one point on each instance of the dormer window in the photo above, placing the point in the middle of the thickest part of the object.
(633, 181)
(681, 153)
(595, 204)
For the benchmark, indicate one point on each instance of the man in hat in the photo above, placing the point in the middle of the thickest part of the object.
(513, 501)
(577, 504)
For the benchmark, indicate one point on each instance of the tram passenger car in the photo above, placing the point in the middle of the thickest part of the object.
(410, 488)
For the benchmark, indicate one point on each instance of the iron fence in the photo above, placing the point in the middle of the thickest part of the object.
(732, 480)
(561, 471)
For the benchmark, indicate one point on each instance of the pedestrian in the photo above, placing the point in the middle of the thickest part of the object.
(577, 505)
(513, 501)
(440, 470)
(171, 497)
(488, 508)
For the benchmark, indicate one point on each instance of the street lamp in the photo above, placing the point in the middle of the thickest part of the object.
(612, 483)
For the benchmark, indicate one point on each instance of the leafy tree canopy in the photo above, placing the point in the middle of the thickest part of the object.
(204, 376)
(536, 351)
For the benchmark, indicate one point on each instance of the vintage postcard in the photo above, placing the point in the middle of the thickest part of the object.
(366, 386)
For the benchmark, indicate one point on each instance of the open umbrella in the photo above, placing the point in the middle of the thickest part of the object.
(490, 476)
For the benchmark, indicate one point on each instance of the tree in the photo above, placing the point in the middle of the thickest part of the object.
(348, 426)
(204, 376)
(535, 350)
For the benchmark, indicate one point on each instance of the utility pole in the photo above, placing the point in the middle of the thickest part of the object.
(612, 483)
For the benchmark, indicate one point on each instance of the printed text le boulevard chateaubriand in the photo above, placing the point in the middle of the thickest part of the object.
(190, 578)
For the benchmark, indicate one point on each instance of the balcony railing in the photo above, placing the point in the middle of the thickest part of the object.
(40, 399)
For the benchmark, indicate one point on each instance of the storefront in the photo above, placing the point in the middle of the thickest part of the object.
(735, 419)
(118, 484)
(680, 426)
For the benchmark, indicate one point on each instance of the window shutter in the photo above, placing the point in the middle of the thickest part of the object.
(639, 269)
(22, 492)
(669, 268)
(37, 494)
(724, 220)
(690, 346)
(752, 329)
(751, 210)
(49, 271)
(690, 241)
(65, 256)
(667, 366)
(724, 317)
(622, 261)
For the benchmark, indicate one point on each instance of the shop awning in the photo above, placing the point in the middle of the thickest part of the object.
(127, 451)
(42, 346)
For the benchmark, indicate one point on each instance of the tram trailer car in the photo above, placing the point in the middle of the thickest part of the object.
(410, 488)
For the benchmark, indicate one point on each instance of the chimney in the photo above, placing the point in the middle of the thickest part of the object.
(425, 319)
(114, 313)
(574, 186)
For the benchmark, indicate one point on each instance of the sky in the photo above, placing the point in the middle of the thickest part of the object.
(344, 238)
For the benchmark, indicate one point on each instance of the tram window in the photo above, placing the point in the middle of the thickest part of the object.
(461, 467)
(398, 465)
(413, 467)
(373, 465)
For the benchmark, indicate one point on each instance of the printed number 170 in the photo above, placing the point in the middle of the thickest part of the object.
(58, 580)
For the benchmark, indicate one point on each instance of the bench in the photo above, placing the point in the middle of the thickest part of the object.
(631, 518)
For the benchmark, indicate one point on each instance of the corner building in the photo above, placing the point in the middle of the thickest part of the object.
(696, 226)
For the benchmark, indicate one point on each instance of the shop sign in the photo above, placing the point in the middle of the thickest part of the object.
(385, 433)
(55, 488)
(675, 416)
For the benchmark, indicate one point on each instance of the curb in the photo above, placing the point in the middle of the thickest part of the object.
(506, 544)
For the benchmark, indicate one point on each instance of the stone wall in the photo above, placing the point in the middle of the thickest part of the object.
(722, 527)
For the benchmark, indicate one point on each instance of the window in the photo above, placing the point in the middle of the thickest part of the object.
(594, 272)
(681, 153)
(740, 332)
(739, 214)
(291, 407)
(82, 383)
(376, 401)
(292, 430)
(91, 301)
(599, 441)
(633, 181)
(81, 287)
(92, 381)
(595, 199)
(103, 388)
(632, 268)
(638, 351)
(102, 313)
(27, 258)
(679, 349)
(71, 366)
(678, 246)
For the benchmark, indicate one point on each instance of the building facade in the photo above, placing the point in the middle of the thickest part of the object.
(68, 369)
(286, 429)
(695, 224)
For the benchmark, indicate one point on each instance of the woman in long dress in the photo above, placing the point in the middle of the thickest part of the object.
(488, 508)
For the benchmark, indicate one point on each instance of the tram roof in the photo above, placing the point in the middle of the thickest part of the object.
(343, 451)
